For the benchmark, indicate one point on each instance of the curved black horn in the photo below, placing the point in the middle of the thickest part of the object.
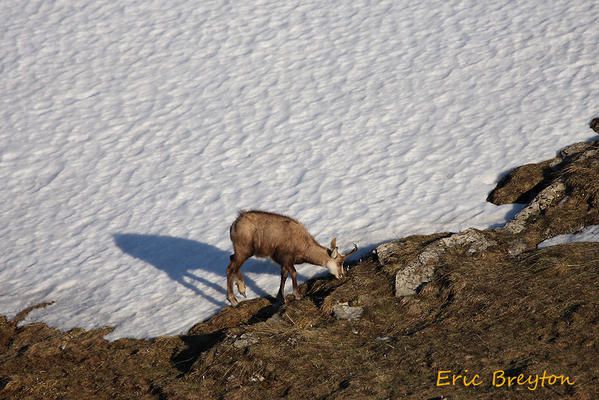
(353, 251)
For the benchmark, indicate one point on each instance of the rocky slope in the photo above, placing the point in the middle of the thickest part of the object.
(406, 318)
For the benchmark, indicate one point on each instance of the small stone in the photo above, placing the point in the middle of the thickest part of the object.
(517, 247)
(245, 340)
(256, 377)
(275, 319)
(345, 311)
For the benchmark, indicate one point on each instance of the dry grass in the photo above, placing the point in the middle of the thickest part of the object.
(525, 315)
(583, 178)
(482, 314)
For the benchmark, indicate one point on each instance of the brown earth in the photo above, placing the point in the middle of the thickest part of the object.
(510, 307)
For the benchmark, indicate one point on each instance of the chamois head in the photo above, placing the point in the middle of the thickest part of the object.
(335, 262)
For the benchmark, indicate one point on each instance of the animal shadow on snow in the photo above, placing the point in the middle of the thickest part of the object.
(182, 258)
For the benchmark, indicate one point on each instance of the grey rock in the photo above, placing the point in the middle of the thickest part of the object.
(416, 273)
(245, 340)
(422, 269)
(387, 252)
(517, 247)
(548, 196)
(345, 311)
(575, 148)
(591, 152)
(594, 124)
(475, 240)
(274, 320)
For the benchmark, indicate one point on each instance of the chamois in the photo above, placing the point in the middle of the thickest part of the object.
(282, 239)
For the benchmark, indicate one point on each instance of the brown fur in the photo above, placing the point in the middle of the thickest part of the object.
(281, 238)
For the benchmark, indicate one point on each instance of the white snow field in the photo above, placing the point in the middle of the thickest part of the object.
(132, 132)
(588, 234)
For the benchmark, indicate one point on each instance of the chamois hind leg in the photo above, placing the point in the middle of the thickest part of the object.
(293, 274)
(239, 281)
(281, 294)
(232, 270)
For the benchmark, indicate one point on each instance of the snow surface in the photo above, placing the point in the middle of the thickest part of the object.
(132, 132)
(588, 234)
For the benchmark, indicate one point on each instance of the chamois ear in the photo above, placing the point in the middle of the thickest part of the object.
(334, 244)
(334, 253)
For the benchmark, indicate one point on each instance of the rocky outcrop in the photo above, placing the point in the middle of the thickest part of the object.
(594, 124)
(522, 184)
(548, 197)
(421, 269)
(562, 196)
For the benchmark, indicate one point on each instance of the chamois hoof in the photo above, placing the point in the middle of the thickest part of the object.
(241, 288)
(297, 296)
(280, 301)
(233, 301)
